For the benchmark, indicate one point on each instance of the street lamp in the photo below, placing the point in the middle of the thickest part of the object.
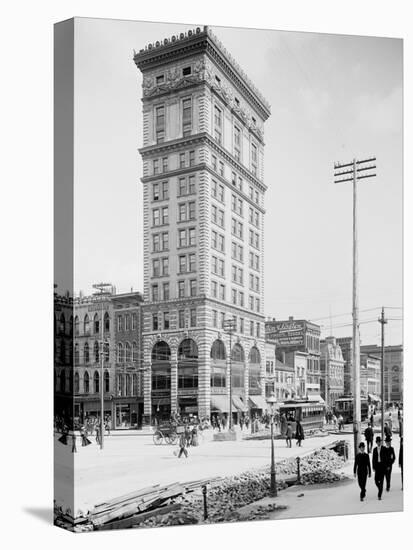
(273, 482)
(103, 291)
(229, 327)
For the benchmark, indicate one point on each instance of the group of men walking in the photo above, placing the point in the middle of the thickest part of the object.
(383, 459)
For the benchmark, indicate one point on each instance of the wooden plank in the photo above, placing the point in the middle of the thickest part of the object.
(128, 496)
(136, 519)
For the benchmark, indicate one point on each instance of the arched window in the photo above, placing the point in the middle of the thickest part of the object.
(96, 351)
(63, 381)
(218, 350)
(237, 367)
(218, 365)
(96, 324)
(96, 381)
(76, 353)
(120, 353)
(120, 323)
(77, 387)
(107, 381)
(86, 322)
(62, 352)
(134, 352)
(127, 352)
(62, 324)
(76, 326)
(161, 367)
(106, 322)
(188, 364)
(86, 357)
(238, 353)
(106, 351)
(86, 388)
(255, 356)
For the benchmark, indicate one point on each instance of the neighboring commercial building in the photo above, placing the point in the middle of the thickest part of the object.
(332, 370)
(280, 376)
(203, 196)
(63, 356)
(346, 345)
(128, 383)
(370, 368)
(298, 360)
(393, 370)
(301, 336)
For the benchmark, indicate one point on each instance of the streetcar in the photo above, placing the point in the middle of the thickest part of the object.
(344, 406)
(311, 414)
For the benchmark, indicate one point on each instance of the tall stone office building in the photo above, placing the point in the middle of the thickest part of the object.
(203, 201)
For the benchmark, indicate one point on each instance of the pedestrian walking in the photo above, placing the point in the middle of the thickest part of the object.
(390, 424)
(183, 444)
(194, 437)
(74, 450)
(401, 459)
(369, 435)
(387, 431)
(224, 422)
(362, 469)
(241, 422)
(390, 459)
(108, 425)
(288, 434)
(299, 433)
(334, 420)
(98, 434)
(379, 465)
(340, 422)
(372, 420)
(83, 437)
(283, 424)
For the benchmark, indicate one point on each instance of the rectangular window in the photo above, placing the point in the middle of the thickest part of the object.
(181, 318)
(214, 162)
(218, 124)
(155, 325)
(156, 166)
(186, 116)
(165, 215)
(221, 193)
(214, 211)
(240, 183)
(165, 241)
(182, 187)
(181, 289)
(191, 263)
(166, 291)
(192, 317)
(234, 179)
(240, 253)
(155, 242)
(165, 190)
(186, 71)
(182, 212)
(165, 266)
(191, 185)
(233, 251)
(182, 160)
(241, 325)
(155, 217)
(251, 328)
(155, 293)
(251, 215)
(214, 289)
(221, 168)
(251, 259)
(191, 233)
(214, 188)
(237, 143)
(239, 207)
(192, 287)
(155, 268)
(257, 304)
(254, 159)
(160, 79)
(160, 123)
(166, 320)
(251, 302)
(258, 330)
(221, 267)
(182, 237)
(215, 318)
(222, 323)
(155, 191)
(165, 164)
(233, 274)
(257, 284)
(182, 264)
(221, 220)
(214, 240)
(222, 292)
(234, 296)
(241, 299)
(191, 210)
(191, 158)
(233, 203)
(221, 243)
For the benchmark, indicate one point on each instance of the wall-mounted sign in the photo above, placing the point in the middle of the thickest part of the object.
(286, 333)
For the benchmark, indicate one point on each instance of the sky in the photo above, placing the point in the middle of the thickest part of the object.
(333, 98)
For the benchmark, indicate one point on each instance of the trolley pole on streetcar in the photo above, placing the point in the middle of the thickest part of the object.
(103, 291)
(229, 328)
(353, 172)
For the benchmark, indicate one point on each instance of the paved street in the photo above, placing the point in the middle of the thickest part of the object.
(129, 463)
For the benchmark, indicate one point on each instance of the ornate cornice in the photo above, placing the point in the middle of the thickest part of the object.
(189, 44)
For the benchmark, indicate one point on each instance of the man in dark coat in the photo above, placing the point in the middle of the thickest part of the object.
(379, 465)
(299, 433)
(401, 459)
(390, 459)
(288, 434)
(362, 469)
(369, 435)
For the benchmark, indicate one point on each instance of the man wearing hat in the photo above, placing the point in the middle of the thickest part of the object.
(362, 469)
(379, 465)
(390, 459)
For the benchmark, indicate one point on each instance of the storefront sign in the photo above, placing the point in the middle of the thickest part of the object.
(286, 333)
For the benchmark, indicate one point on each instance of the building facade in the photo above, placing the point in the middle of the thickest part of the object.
(128, 374)
(63, 357)
(332, 370)
(301, 336)
(298, 360)
(346, 345)
(280, 376)
(370, 383)
(393, 370)
(203, 194)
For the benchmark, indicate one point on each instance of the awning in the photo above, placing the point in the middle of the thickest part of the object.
(238, 404)
(316, 398)
(219, 403)
(258, 402)
(374, 398)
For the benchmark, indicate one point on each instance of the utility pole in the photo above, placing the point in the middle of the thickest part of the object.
(382, 321)
(355, 171)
